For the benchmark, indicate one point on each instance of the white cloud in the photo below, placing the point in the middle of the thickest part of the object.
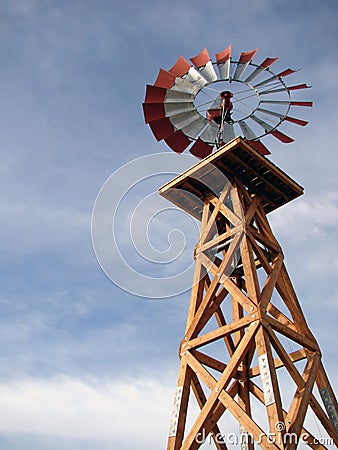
(126, 413)
(114, 411)
(308, 217)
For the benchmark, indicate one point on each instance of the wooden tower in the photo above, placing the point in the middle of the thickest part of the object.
(245, 332)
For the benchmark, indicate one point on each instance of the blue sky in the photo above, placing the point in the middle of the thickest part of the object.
(83, 364)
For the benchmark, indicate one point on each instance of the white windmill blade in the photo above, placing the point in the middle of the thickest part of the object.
(168, 80)
(276, 77)
(195, 77)
(269, 129)
(224, 70)
(224, 62)
(271, 113)
(194, 129)
(216, 103)
(283, 117)
(286, 102)
(178, 97)
(246, 130)
(185, 86)
(285, 88)
(243, 63)
(172, 109)
(183, 119)
(208, 72)
(261, 122)
(228, 132)
(265, 65)
(203, 64)
(210, 133)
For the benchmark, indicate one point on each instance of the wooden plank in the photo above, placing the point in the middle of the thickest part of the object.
(227, 213)
(210, 224)
(260, 176)
(201, 317)
(288, 294)
(259, 253)
(201, 400)
(243, 391)
(300, 402)
(210, 382)
(205, 221)
(272, 396)
(241, 298)
(247, 422)
(197, 291)
(264, 224)
(221, 322)
(220, 385)
(237, 314)
(295, 356)
(179, 413)
(207, 360)
(312, 441)
(219, 332)
(270, 282)
(278, 315)
(265, 240)
(220, 239)
(291, 334)
(224, 269)
(250, 212)
(286, 359)
(250, 273)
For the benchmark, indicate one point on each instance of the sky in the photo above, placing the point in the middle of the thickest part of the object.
(86, 364)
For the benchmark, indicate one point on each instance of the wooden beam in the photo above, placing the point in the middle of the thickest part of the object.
(220, 385)
(300, 403)
(220, 332)
(311, 441)
(291, 334)
(247, 422)
(180, 407)
(298, 355)
(273, 401)
(201, 400)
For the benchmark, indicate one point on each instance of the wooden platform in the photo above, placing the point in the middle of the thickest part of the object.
(235, 159)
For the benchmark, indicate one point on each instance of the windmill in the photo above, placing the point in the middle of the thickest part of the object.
(247, 350)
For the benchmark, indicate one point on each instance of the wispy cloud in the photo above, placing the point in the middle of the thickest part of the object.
(109, 413)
